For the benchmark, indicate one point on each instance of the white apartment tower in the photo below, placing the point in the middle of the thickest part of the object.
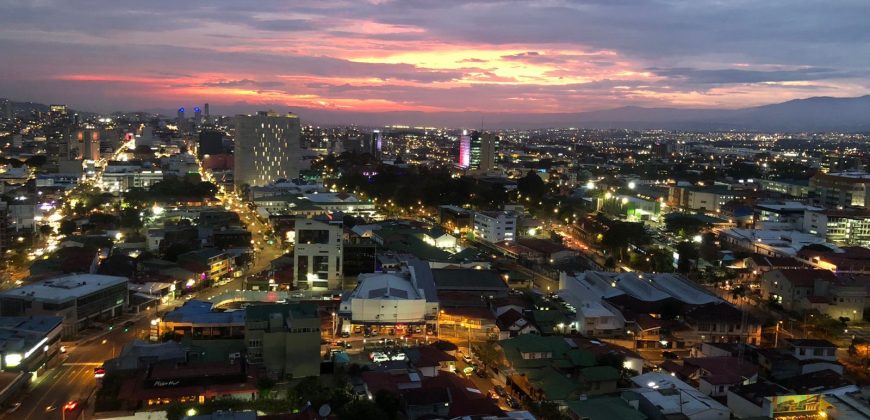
(267, 148)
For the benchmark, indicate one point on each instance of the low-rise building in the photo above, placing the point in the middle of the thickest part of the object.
(318, 255)
(29, 343)
(284, 339)
(840, 227)
(495, 226)
(665, 396)
(80, 299)
(395, 299)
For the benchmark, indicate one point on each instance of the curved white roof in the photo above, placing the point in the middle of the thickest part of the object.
(385, 286)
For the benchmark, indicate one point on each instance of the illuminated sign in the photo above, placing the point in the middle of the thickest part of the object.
(793, 405)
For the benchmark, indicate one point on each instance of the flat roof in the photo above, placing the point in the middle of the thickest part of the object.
(61, 289)
(20, 334)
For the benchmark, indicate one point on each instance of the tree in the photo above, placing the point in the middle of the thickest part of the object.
(687, 252)
(708, 249)
(685, 226)
(388, 403)
(265, 385)
(547, 410)
(488, 353)
(67, 227)
(361, 410)
(532, 186)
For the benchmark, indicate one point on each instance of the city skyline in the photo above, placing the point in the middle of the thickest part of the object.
(542, 57)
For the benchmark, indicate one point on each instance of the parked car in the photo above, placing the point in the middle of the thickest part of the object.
(399, 356)
(467, 360)
(345, 334)
(512, 402)
(381, 358)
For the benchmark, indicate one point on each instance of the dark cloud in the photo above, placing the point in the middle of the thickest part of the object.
(728, 76)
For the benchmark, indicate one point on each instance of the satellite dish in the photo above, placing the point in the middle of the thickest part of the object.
(324, 411)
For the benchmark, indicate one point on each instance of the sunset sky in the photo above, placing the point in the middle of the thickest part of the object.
(384, 55)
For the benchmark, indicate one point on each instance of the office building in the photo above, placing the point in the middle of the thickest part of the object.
(464, 150)
(83, 144)
(840, 227)
(318, 254)
(267, 148)
(488, 150)
(495, 226)
(205, 108)
(28, 344)
(283, 339)
(376, 143)
(211, 142)
(57, 112)
(197, 115)
(840, 190)
(80, 299)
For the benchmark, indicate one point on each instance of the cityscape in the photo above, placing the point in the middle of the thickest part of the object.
(374, 210)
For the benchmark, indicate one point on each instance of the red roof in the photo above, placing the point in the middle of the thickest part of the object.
(807, 277)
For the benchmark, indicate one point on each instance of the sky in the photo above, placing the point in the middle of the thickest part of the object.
(528, 56)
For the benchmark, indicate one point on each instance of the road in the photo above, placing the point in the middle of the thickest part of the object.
(74, 378)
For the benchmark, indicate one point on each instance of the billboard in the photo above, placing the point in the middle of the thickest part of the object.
(794, 405)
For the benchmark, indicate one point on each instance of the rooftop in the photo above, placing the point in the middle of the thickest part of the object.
(61, 289)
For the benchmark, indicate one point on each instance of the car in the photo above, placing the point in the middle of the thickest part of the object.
(481, 373)
(51, 407)
(399, 356)
(500, 391)
(512, 402)
(345, 334)
(13, 408)
(381, 358)
(467, 359)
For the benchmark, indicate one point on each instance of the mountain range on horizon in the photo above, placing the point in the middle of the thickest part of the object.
(815, 114)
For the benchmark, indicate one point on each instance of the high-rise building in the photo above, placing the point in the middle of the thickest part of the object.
(180, 121)
(318, 255)
(488, 149)
(474, 162)
(464, 150)
(83, 144)
(57, 112)
(267, 148)
(197, 115)
(376, 143)
(211, 142)
(8, 112)
(206, 110)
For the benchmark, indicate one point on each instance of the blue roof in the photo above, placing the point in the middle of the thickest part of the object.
(200, 312)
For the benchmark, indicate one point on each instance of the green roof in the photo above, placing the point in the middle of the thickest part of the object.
(580, 357)
(604, 408)
(600, 373)
(556, 386)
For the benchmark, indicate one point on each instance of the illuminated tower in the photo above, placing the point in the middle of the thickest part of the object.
(464, 150)
(180, 115)
(197, 115)
(267, 148)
